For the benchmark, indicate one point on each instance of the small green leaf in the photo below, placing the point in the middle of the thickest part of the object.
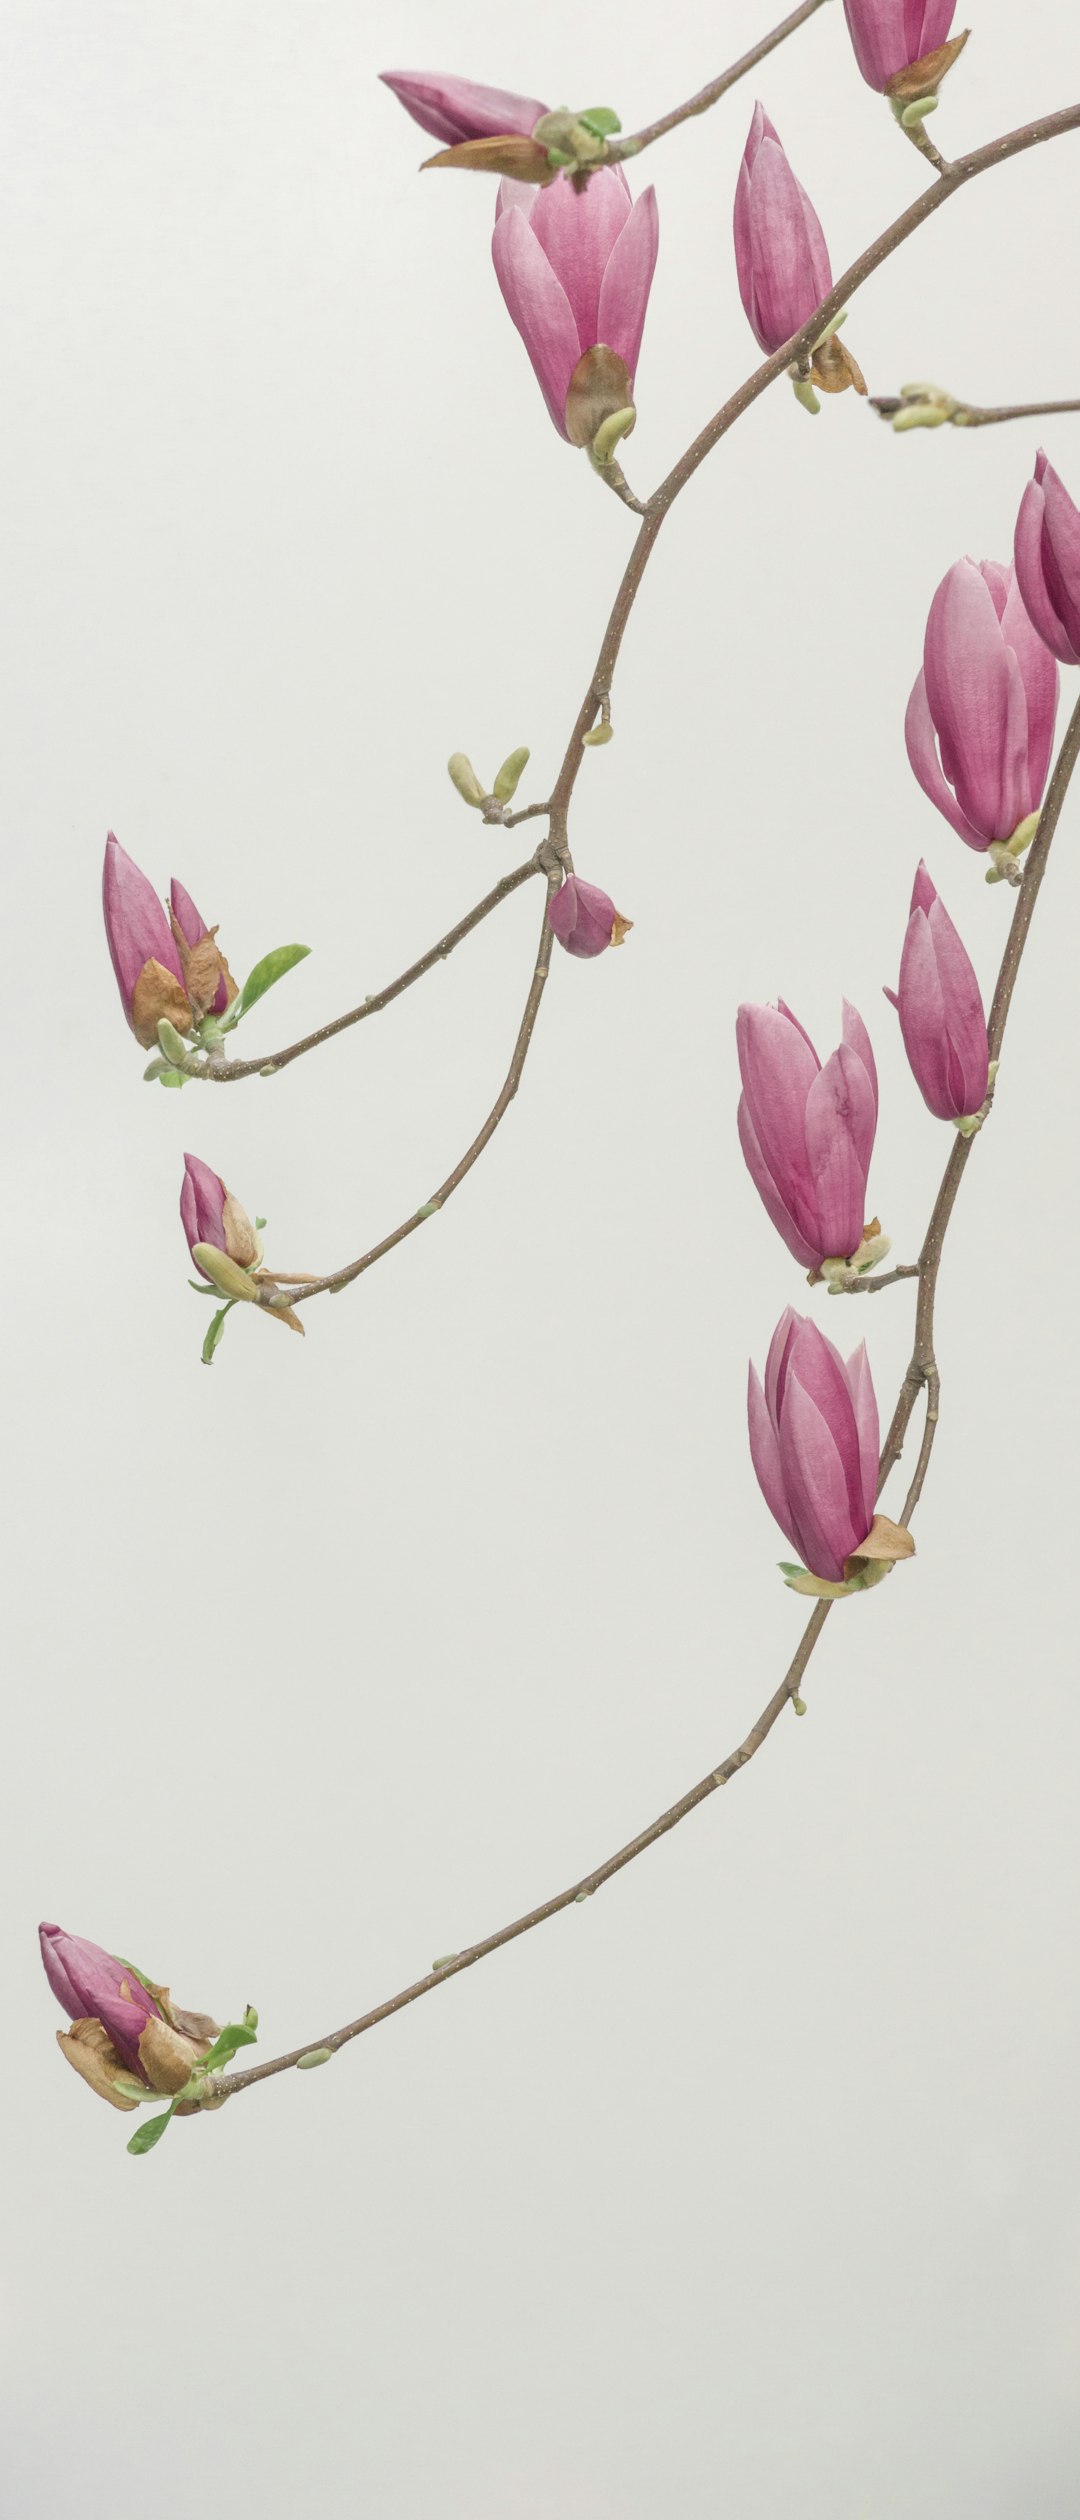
(260, 1224)
(145, 2137)
(235, 2034)
(213, 1335)
(272, 967)
(198, 1287)
(172, 1076)
(600, 121)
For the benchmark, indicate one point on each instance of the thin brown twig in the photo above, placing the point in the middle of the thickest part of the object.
(636, 141)
(338, 1278)
(230, 1071)
(961, 415)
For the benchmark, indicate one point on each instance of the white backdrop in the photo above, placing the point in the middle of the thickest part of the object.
(748, 2187)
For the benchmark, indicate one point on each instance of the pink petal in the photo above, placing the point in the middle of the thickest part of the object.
(922, 753)
(460, 109)
(765, 1455)
(540, 308)
(578, 233)
(865, 1409)
(624, 291)
(776, 1210)
(840, 1123)
(135, 923)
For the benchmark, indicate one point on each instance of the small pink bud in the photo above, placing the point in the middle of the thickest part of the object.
(210, 1214)
(807, 1131)
(575, 269)
(941, 1010)
(1047, 555)
(980, 720)
(458, 109)
(814, 1444)
(124, 2032)
(89, 1983)
(585, 919)
(781, 256)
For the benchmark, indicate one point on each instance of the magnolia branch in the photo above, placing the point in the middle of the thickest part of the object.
(922, 1373)
(229, 1071)
(929, 407)
(633, 144)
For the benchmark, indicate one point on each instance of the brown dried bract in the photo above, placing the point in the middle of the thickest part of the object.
(923, 78)
(833, 369)
(886, 1541)
(599, 386)
(203, 966)
(508, 153)
(157, 992)
(88, 2047)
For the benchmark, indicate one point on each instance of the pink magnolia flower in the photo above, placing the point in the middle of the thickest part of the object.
(210, 1214)
(585, 919)
(91, 1985)
(888, 35)
(781, 256)
(941, 1010)
(1047, 554)
(985, 703)
(575, 269)
(458, 109)
(814, 1444)
(807, 1131)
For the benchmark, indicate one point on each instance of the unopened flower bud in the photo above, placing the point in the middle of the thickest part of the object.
(584, 919)
(987, 696)
(126, 2033)
(575, 269)
(941, 1010)
(807, 1131)
(211, 1215)
(814, 1445)
(465, 779)
(506, 778)
(461, 109)
(1047, 554)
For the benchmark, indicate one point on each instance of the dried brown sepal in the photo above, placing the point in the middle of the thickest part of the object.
(192, 2025)
(885, 1541)
(167, 2057)
(203, 966)
(157, 992)
(833, 368)
(88, 2047)
(923, 78)
(507, 153)
(241, 1240)
(620, 928)
(598, 388)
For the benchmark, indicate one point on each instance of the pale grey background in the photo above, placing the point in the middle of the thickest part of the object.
(749, 2188)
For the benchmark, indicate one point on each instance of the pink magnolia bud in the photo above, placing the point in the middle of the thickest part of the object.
(1047, 554)
(123, 2032)
(585, 919)
(985, 703)
(941, 1010)
(575, 269)
(889, 35)
(144, 954)
(91, 1985)
(814, 1444)
(457, 109)
(807, 1131)
(781, 256)
(210, 1214)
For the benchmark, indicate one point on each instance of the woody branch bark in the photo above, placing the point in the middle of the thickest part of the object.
(922, 1374)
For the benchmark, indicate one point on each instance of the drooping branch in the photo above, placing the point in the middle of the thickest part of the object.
(922, 1373)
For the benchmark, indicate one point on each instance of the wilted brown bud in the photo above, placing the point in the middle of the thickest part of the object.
(923, 78)
(510, 153)
(599, 387)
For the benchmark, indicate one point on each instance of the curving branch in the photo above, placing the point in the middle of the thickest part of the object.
(230, 1071)
(922, 1374)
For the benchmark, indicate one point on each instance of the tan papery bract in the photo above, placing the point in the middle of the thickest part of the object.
(167, 2057)
(923, 78)
(88, 2047)
(833, 368)
(885, 1540)
(511, 153)
(241, 1240)
(203, 966)
(157, 992)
